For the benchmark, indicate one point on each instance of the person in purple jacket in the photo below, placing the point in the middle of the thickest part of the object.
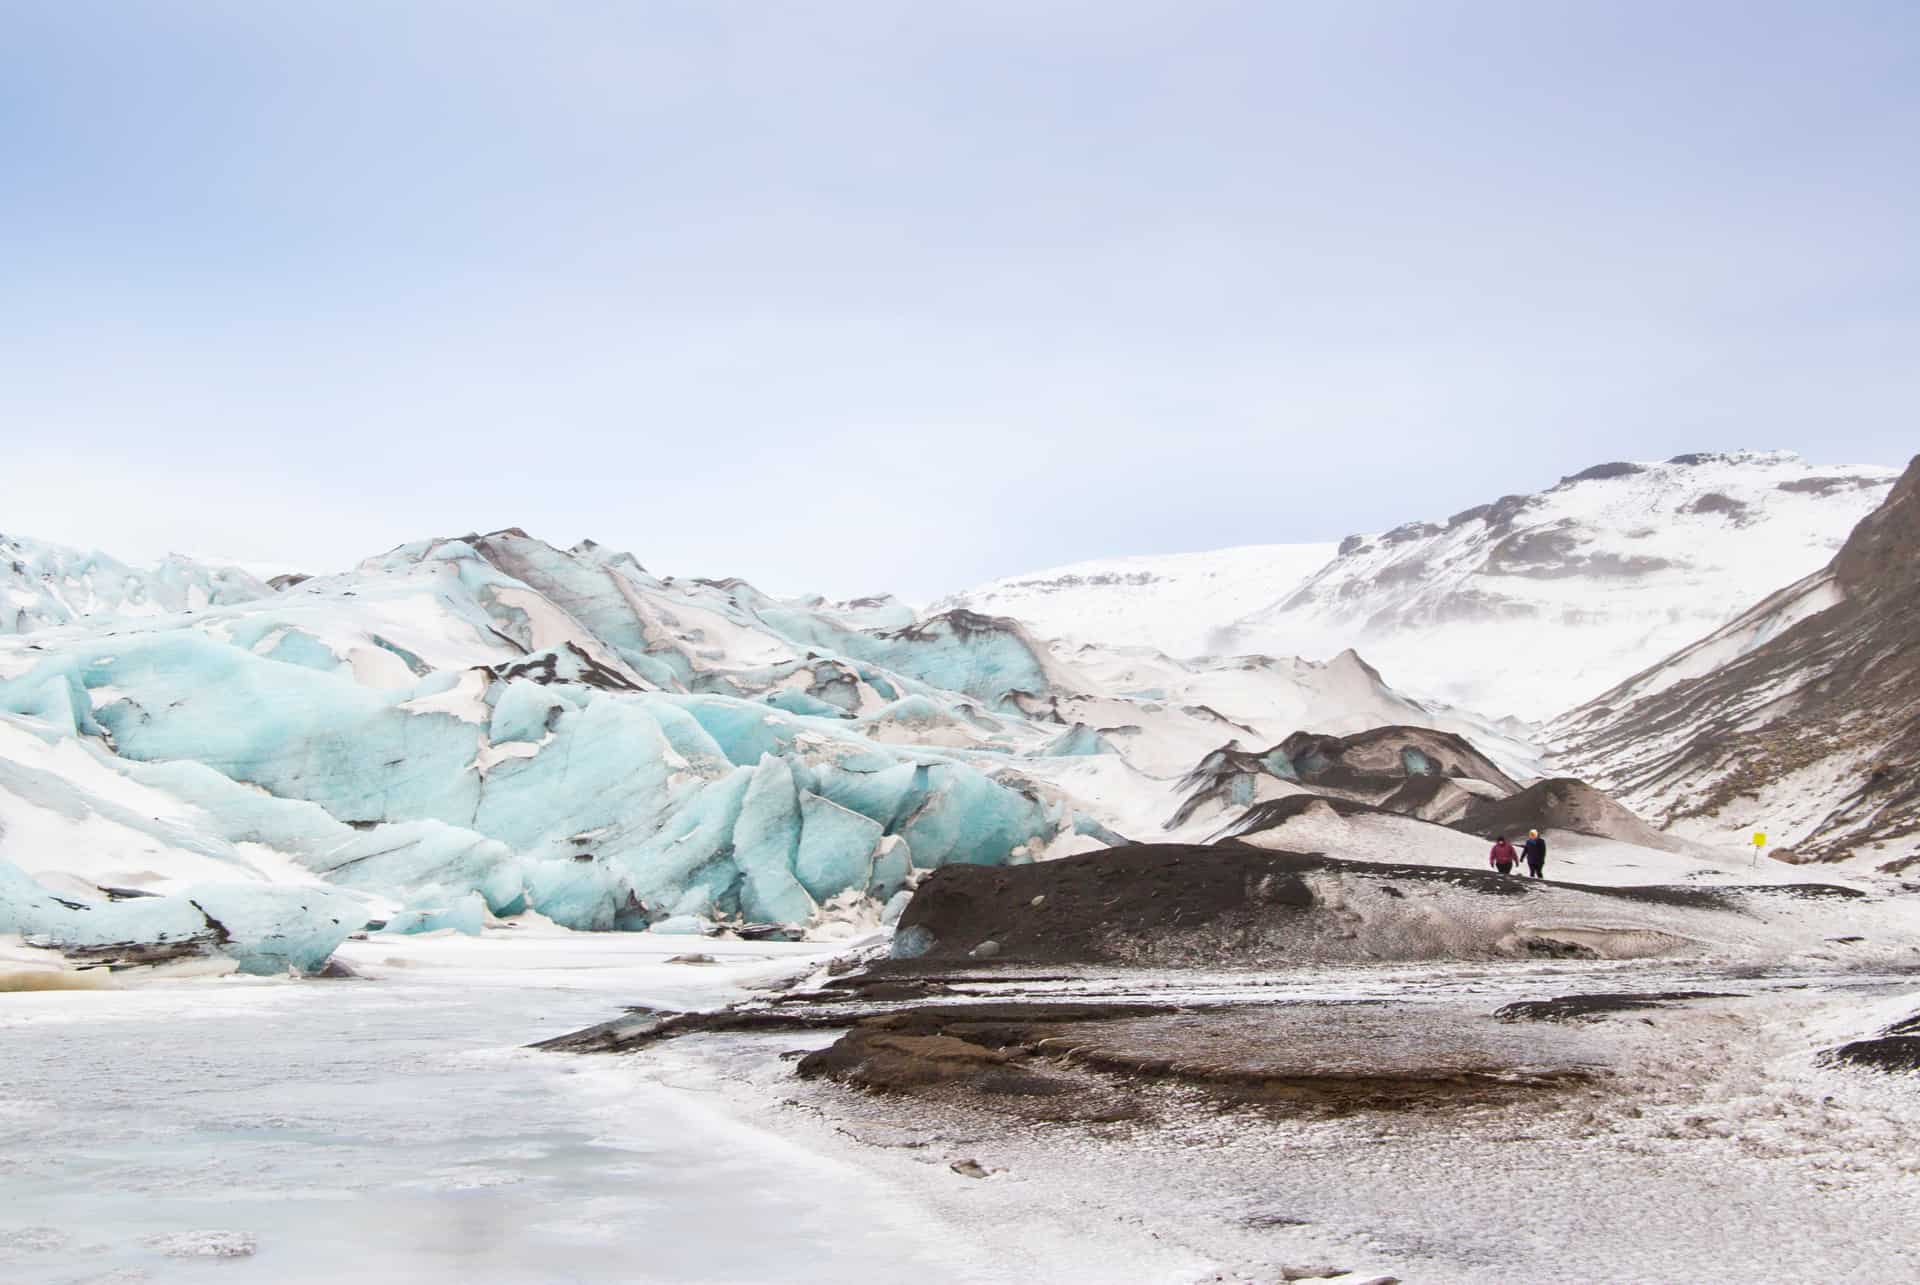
(1535, 851)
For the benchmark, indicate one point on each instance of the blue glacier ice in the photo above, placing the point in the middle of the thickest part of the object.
(1079, 741)
(892, 867)
(523, 711)
(467, 915)
(487, 725)
(836, 850)
(263, 928)
(766, 841)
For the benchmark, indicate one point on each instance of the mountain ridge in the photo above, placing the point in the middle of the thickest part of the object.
(1800, 717)
(1610, 569)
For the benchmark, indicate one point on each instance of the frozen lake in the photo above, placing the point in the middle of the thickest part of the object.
(393, 1129)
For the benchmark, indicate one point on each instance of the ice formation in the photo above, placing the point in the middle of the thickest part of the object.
(480, 727)
(264, 928)
(45, 584)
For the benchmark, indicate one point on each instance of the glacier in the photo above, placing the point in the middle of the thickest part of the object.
(43, 584)
(262, 928)
(482, 727)
(471, 729)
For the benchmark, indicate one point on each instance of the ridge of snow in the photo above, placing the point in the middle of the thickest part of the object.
(1175, 603)
(1532, 604)
(1524, 606)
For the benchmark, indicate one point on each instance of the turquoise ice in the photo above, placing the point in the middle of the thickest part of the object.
(483, 726)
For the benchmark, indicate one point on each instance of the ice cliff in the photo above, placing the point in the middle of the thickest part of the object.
(540, 729)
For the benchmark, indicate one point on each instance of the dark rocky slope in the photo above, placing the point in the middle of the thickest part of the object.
(1234, 906)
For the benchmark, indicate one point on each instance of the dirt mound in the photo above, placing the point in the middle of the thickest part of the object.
(1379, 760)
(1887, 1053)
(1231, 777)
(1895, 1048)
(1275, 813)
(1562, 803)
(1319, 1057)
(1081, 908)
(984, 1046)
(1414, 771)
(1234, 905)
(1586, 1008)
(1440, 799)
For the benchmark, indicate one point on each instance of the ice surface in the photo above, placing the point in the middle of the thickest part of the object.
(394, 1130)
(837, 848)
(467, 915)
(766, 841)
(523, 711)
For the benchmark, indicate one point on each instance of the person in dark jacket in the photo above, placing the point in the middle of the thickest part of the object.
(1502, 857)
(1535, 851)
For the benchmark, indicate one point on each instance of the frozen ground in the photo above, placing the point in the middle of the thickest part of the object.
(393, 1128)
(1719, 1151)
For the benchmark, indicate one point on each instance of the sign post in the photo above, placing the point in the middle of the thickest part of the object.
(1759, 842)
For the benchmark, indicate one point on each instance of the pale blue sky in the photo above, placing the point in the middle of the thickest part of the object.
(858, 295)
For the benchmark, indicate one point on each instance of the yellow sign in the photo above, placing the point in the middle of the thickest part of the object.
(1759, 839)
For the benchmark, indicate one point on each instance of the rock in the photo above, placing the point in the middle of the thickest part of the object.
(1310, 1273)
(1887, 1053)
(693, 959)
(896, 906)
(1039, 901)
(1273, 1220)
(768, 932)
(986, 949)
(970, 1168)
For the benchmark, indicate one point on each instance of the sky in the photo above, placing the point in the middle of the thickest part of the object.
(853, 296)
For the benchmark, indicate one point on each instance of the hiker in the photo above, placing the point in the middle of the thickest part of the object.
(1502, 857)
(1535, 851)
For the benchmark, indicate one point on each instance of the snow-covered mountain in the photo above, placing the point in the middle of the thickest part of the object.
(1533, 603)
(1800, 718)
(1176, 603)
(1524, 606)
(44, 585)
